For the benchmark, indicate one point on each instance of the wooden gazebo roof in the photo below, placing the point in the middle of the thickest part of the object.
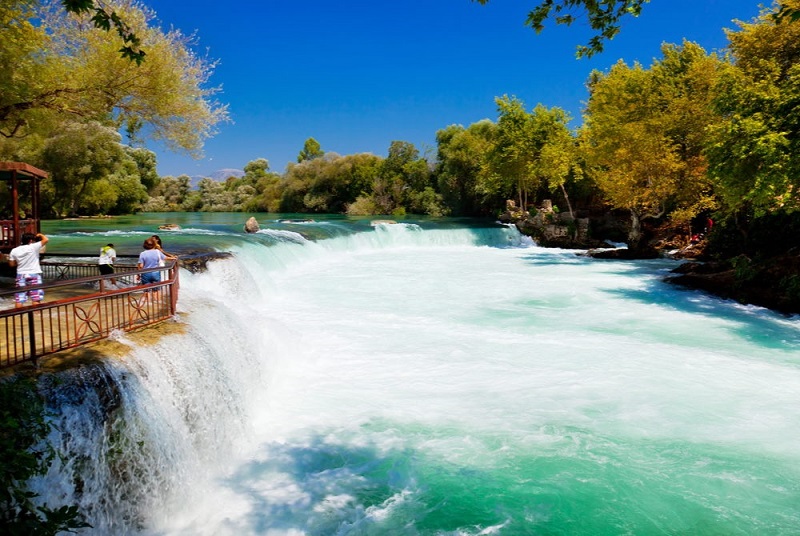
(22, 170)
(12, 229)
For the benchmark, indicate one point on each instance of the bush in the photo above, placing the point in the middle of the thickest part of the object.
(25, 453)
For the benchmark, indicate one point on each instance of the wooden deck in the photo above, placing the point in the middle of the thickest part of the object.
(80, 310)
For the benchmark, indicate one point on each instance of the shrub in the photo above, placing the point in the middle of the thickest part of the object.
(25, 453)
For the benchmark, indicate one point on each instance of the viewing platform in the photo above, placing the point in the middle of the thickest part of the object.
(80, 306)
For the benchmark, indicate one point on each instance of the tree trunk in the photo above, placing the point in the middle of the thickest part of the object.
(566, 198)
(635, 232)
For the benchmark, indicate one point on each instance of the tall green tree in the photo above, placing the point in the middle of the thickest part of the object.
(58, 68)
(311, 150)
(531, 150)
(514, 152)
(462, 155)
(268, 187)
(644, 130)
(81, 158)
(169, 195)
(557, 158)
(753, 151)
(145, 164)
(685, 77)
(329, 184)
(404, 183)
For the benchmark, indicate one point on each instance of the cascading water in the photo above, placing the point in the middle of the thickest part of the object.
(433, 379)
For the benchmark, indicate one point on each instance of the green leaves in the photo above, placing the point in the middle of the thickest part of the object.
(23, 430)
(105, 18)
(786, 14)
(646, 130)
(78, 6)
(753, 152)
(603, 16)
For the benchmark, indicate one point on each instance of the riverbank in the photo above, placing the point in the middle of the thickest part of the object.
(772, 282)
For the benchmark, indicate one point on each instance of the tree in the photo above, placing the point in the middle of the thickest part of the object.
(268, 187)
(256, 170)
(104, 17)
(753, 151)
(25, 453)
(403, 181)
(145, 164)
(513, 152)
(603, 17)
(330, 183)
(628, 155)
(462, 162)
(128, 191)
(531, 150)
(57, 69)
(80, 157)
(169, 195)
(311, 150)
(558, 159)
(644, 133)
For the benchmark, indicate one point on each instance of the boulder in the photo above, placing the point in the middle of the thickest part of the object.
(197, 262)
(251, 225)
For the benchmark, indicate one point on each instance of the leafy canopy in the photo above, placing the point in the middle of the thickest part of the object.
(104, 17)
(603, 16)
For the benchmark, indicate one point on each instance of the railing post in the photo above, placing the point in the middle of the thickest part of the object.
(32, 336)
(173, 289)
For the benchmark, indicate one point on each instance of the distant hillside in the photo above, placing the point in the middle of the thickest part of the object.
(221, 175)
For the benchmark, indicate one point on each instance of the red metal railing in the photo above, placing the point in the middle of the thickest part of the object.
(88, 309)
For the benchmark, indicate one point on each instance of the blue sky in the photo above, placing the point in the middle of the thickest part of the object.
(357, 75)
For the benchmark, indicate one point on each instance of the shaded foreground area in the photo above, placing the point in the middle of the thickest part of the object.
(772, 283)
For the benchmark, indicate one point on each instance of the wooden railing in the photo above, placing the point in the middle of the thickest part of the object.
(8, 232)
(86, 309)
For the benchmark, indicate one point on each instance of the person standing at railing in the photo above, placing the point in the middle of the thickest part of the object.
(151, 257)
(108, 256)
(29, 272)
(157, 244)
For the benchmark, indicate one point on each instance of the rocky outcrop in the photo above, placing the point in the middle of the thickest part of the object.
(551, 228)
(197, 262)
(251, 225)
(772, 283)
(624, 254)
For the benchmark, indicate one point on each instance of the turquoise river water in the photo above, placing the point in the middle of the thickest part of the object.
(431, 377)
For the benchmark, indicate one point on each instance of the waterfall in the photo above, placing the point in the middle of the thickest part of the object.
(338, 377)
(132, 431)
